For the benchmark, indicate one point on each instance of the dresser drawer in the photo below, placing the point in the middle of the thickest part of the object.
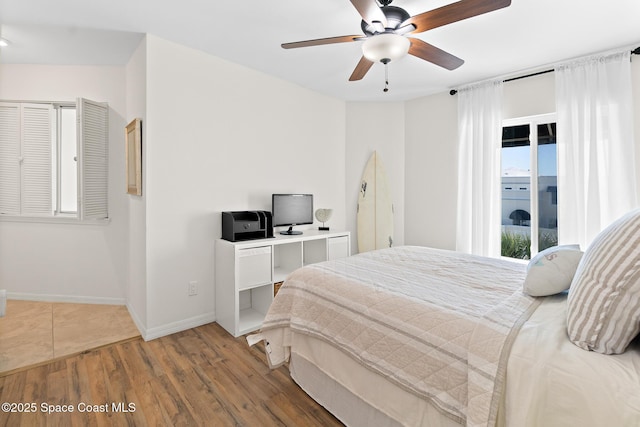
(254, 267)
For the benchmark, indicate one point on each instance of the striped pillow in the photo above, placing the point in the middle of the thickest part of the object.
(604, 298)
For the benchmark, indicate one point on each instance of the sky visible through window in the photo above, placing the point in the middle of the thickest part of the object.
(515, 161)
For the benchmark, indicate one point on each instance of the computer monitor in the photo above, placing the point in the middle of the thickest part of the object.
(290, 210)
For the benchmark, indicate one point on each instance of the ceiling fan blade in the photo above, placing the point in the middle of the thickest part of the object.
(370, 11)
(361, 69)
(453, 12)
(318, 42)
(430, 53)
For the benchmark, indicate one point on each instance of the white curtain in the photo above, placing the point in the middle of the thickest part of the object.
(479, 145)
(596, 172)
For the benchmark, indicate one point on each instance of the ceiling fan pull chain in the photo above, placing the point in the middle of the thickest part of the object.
(386, 77)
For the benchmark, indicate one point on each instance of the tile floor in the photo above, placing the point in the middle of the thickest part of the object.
(33, 332)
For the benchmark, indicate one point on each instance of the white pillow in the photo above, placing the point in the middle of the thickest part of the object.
(603, 307)
(551, 271)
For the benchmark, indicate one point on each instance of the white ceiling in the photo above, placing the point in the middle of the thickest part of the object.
(528, 35)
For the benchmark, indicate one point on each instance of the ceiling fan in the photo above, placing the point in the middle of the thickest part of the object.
(386, 28)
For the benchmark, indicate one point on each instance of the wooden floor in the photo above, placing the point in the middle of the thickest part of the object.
(202, 376)
(34, 332)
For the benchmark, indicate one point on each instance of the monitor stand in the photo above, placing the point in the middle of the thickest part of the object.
(290, 232)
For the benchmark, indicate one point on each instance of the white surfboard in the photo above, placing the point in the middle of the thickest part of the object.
(375, 209)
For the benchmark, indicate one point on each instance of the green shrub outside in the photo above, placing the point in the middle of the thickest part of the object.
(516, 245)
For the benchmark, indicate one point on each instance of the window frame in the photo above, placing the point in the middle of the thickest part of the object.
(78, 217)
(533, 122)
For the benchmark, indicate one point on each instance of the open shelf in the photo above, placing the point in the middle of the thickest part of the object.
(287, 258)
(249, 320)
(253, 305)
(246, 272)
(314, 251)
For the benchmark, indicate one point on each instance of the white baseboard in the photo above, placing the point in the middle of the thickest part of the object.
(66, 298)
(179, 326)
(136, 320)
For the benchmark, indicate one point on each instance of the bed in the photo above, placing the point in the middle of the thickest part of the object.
(417, 336)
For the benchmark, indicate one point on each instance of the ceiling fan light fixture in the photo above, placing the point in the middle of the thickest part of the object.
(390, 47)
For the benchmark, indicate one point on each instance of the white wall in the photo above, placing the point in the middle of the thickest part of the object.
(69, 262)
(635, 76)
(222, 137)
(529, 97)
(431, 168)
(375, 127)
(431, 153)
(136, 90)
(216, 136)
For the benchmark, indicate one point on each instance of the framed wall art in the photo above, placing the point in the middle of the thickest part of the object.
(133, 162)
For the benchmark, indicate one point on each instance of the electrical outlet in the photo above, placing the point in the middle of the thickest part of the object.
(193, 288)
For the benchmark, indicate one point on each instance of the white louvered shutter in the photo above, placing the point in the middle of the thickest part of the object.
(93, 155)
(9, 159)
(36, 160)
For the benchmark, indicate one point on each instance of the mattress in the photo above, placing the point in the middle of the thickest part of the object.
(354, 394)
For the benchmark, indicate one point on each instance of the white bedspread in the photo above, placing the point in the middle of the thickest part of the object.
(439, 324)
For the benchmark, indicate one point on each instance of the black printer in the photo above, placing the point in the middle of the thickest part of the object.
(246, 225)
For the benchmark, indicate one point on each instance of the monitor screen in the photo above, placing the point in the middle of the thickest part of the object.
(292, 209)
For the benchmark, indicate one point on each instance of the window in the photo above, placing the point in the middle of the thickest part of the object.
(66, 182)
(529, 206)
(53, 160)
